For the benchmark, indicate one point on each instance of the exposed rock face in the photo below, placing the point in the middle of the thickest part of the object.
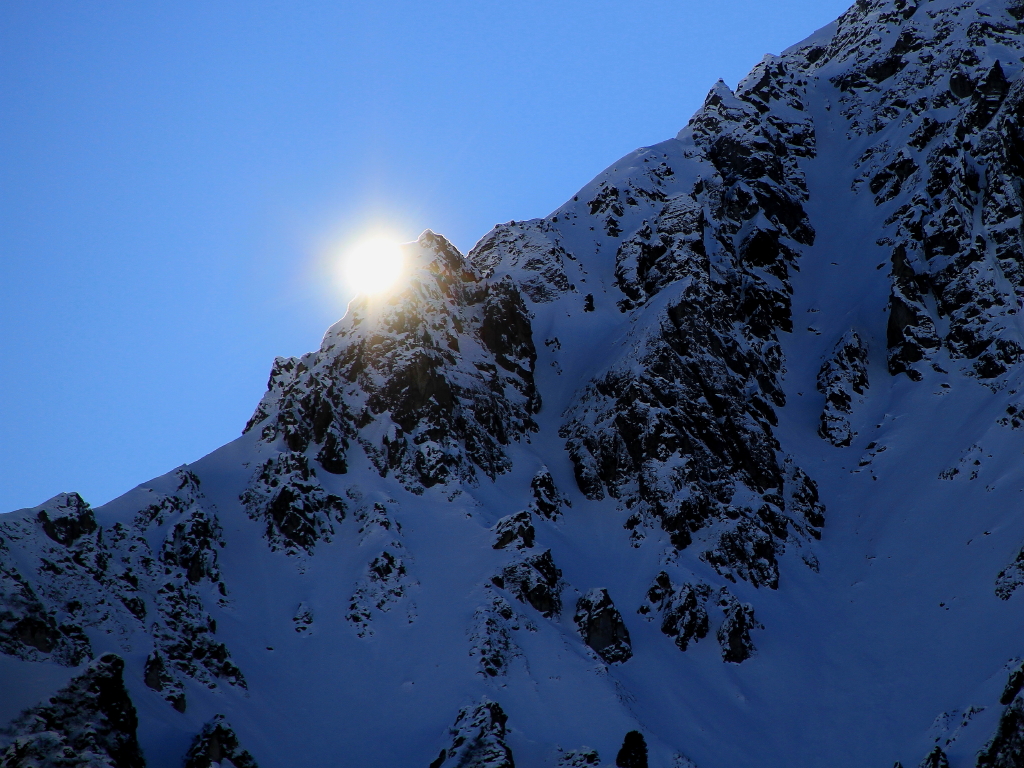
(286, 494)
(114, 580)
(386, 579)
(580, 758)
(935, 759)
(217, 745)
(684, 616)
(491, 639)
(1006, 748)
(535, 580)
(955, 217)
(683, 611)
(843, 376)
(92, 722)
(548, 502)
(477, 739)
(432, 387)
(680, 428)
(515, 530)
(734, 633)
(601, 626)
(30, 629)
(1013, 685)
(1010, 577)
(534, 249)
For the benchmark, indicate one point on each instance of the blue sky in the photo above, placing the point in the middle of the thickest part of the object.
(175, 177)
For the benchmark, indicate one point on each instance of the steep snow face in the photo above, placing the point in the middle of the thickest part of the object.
(717, 465)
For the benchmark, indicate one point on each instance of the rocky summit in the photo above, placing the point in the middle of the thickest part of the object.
(720, 464)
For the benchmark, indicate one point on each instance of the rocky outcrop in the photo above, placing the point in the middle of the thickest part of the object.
(952, 188)
(1006, 749)
(1013, 685)
(935, 759)
(580, 758)
(386, 579)
(91, 723)
(216, 745)
(682, 425)
(534, 579)
(547, 502)
(432, 386)
(515, 530)
(682, 609)
(1011, 577)
(531, 252)
(286, 495)
(477, 739)
(734, 632)
(601, 627)
(84, 577)
(841, 377)
(491, 639)
(29, 628)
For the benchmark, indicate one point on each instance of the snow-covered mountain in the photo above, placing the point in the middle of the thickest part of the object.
(721, 464)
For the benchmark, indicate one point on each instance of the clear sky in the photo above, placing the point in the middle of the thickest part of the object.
(174, 178)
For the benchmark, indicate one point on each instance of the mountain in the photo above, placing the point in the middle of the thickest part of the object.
(721, 464)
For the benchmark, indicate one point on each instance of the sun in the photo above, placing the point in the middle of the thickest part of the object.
(372, 265)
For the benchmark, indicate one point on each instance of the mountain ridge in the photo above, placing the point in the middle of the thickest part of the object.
(722, 452)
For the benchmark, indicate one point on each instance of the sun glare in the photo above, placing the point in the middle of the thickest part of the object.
(372, 266)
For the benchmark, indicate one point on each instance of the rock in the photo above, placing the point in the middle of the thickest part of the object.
(1006, 749)
(477, 739)
(633, 753)
(601, 626)
(681, 424)
(548, 502)
(190, 546)
(533, 252)
(935, 759)
(67, 518)
(386, 579)
(91, 723)
(841, 377)
(491, 636)
(515, 529)
(384, 584)
(431, 387)
(535, 580)
(217, 745)
(303, 620)
(1013, 685)
(682, 609)
(580, 758)
(287, 496)
(157, 677)
(910, 335)
(734, 633)
(1010, 577)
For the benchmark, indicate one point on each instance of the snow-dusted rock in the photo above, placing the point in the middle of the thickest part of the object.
(601, 626)
(217, 745)
(90, 723)
(842, 376)
(477, 739)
